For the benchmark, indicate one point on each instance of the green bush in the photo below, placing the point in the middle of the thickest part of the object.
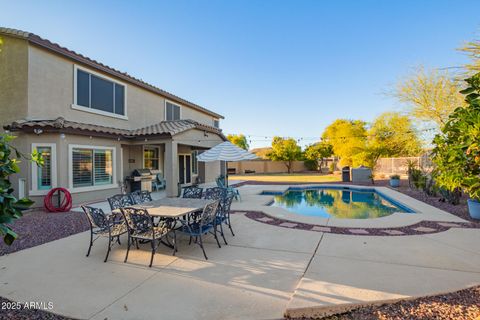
(312, 165)
(331, 167)
(395, 177)
(11, 207)
(457, 149)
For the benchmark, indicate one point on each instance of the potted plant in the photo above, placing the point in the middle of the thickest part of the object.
(457, 149)
(395, 181)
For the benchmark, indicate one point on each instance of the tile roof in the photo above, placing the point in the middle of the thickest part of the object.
(170, 128)
(47, 44)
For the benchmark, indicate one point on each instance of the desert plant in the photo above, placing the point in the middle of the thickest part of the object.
(11, 207)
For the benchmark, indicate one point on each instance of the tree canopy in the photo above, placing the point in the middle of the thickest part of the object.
(239, 140)
(347, 138)
(286, 150)
(431, 96)
(317, 153)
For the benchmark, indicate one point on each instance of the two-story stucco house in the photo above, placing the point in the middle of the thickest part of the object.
(94, 125)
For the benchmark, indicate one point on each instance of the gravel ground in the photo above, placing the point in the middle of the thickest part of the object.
(38, 227)
(460, 305)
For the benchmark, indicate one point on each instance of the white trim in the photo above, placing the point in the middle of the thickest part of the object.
(34, 191)
(100, 112)
(91, 188)
(176, 104)
(76, 106)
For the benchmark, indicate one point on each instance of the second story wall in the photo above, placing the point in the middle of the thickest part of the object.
(51, 90)
(13, 80)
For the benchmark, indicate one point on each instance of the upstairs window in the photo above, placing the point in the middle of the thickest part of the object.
(216, 123)
(172, 111)
(99, 94)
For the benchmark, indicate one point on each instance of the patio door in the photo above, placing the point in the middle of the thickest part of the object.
(185, 168)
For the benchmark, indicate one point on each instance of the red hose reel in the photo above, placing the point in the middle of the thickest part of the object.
(64, 200)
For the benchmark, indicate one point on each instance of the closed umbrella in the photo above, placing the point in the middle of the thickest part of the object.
(226, 151)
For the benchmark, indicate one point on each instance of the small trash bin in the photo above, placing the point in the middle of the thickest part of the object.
(346, 174)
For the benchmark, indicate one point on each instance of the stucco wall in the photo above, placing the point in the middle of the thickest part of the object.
(51, 90)
(13, 80)
(24, 144)
(266, 166)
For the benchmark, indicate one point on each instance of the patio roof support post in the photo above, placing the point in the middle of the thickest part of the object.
(171, 168)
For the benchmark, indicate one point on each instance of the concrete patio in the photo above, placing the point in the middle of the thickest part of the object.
(264, 273)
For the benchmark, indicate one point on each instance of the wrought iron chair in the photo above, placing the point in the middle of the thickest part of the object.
(120, 200)
(201, 224)
(192, 192)
(141, 227)
(141, 196)
(219, 194)
(102, 225)
(221, 184)
(224, 215)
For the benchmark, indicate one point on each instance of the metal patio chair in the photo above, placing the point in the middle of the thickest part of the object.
(200, 224)
(120, 200)
(141, 227)
(142, 196)
(221, 184)
(102, 225)
(192, 192)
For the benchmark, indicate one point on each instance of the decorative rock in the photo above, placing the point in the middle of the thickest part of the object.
(359, 231)
(288, 225)
(265, 219)
(393, 232)
(424, 229)
(321, 229)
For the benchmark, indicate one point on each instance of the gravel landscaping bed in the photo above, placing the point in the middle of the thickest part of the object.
(38, 227)
(25, 314)
(459, 305)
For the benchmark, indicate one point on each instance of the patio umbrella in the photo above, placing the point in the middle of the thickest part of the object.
(226, 151)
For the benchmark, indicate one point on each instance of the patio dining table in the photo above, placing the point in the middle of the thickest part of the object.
(173, 207)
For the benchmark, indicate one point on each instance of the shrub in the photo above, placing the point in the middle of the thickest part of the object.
(457, 149)
(312, 165)
(331, 167)
(395, 177)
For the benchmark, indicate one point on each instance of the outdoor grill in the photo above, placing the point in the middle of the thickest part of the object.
(141, 179)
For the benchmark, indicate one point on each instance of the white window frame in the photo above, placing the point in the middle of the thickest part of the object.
(218, 120)
(174, 103)
(73, 189)
(143, 155)
(34, 191)
(75, 106)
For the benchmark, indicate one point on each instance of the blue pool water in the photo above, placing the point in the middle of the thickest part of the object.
(337, 202)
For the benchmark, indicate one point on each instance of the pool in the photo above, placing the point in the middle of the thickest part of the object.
(343, 203)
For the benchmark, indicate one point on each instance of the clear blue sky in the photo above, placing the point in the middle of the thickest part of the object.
(284, 68)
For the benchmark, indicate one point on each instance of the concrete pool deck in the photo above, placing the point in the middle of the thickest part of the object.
(265, 272)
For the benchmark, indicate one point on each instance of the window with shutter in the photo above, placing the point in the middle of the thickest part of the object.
(92, 167)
